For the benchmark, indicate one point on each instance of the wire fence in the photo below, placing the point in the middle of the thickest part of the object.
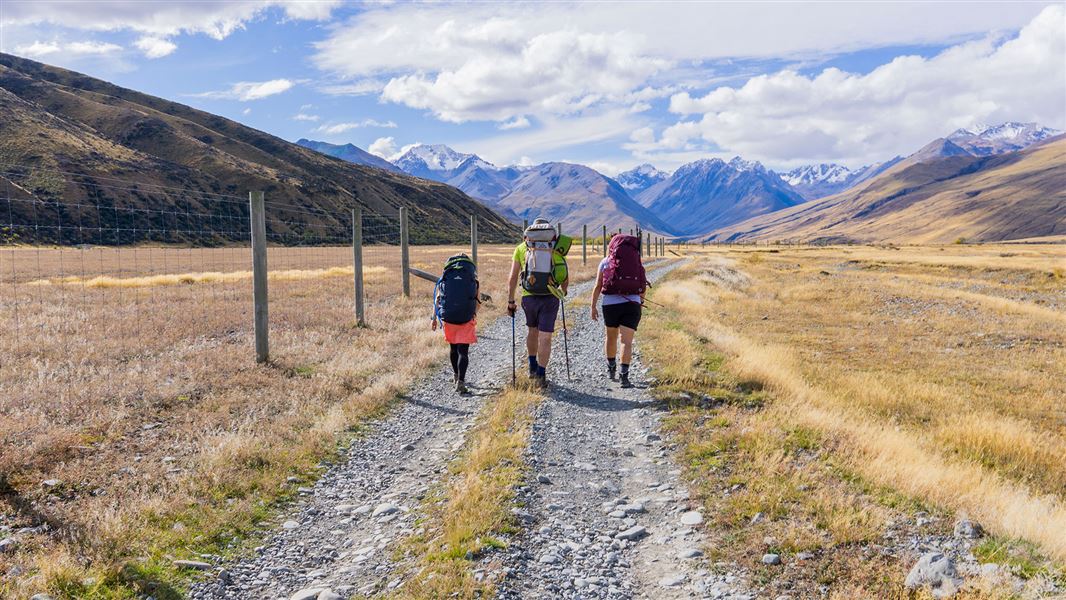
(88, 261)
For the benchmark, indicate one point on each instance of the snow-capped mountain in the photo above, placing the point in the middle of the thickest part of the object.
(817, 174)
(985, 140)
(711, 193)
(826, 179)
(468, 172)
(640, 178)
(423, 160)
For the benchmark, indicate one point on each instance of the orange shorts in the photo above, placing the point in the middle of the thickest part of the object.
(461, 334)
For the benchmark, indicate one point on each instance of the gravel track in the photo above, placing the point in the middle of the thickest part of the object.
(606, 514)
(341, 535)
(593, 442)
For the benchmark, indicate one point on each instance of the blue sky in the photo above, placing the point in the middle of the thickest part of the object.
(607, 84)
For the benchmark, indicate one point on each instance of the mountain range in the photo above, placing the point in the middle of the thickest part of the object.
(72, 137)
(712, 193)
(940, 194)
(705, 195)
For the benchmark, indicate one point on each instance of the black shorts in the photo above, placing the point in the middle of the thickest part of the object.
(626, 314)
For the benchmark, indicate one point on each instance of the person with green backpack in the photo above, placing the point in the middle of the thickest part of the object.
(540, 263)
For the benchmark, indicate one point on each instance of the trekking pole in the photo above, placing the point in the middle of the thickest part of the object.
(566, 343)
(514, 376)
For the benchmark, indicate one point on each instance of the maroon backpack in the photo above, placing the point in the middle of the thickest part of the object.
(624, 273)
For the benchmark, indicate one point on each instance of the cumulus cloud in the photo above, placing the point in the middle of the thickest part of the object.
(336, 128)
(497, 63)
(385, 147)
(558, 73)
(250, 90)
(39, 49)
(155, 47)
(305, 117)
(894, 109)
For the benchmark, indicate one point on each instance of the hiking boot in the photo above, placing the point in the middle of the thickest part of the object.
(611, 372)
(540, 382)
(625, 381)
(460, 386)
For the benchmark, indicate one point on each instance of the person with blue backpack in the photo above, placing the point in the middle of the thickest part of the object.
(455, 303)
(622, 281)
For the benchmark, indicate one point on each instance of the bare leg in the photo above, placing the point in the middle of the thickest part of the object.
(532, 337)
(544, 351)
(627, 344)
(610, 347)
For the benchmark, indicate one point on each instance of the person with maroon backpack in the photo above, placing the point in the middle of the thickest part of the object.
(622, 282)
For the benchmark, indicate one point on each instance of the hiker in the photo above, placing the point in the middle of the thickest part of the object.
(622, 281)
(455, 303)
(540, 260)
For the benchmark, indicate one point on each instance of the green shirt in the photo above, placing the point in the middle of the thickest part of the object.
(520, 257)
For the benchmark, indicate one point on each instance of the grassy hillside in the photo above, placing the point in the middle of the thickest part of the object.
(980, 199)
(83, 132)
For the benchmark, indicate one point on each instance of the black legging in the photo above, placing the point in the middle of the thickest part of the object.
(460, 359)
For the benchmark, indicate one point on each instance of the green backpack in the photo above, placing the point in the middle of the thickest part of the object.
(543, 273)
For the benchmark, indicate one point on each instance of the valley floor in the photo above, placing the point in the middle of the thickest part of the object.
(808, 422)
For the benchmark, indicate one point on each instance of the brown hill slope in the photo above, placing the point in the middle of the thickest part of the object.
(981, 199)
(87, 133)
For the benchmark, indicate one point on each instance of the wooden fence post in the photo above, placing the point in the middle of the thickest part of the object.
(405, 258)
(604, 245)
(357, 266)
(259, 276)
(525, 225)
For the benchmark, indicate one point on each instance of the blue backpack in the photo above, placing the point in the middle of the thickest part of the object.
(456, 294)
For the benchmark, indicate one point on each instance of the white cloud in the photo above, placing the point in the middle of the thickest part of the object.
(515, 123)
(894, 109)
(499, 62)
(555, 73)
(246, 111)
(305, 117)
(155, 47)
(337, 128)
(554, 133)
(384, 147)
(38, 49)
(363, 87)
(607, 168)
(215, 18)
(250, 90)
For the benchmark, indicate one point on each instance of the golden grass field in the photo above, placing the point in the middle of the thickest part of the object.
(128, 375)
(851, 387)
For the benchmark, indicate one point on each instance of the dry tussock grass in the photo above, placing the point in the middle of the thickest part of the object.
(106, 281)
(472, 506)
(947, 398)
(146, 403)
